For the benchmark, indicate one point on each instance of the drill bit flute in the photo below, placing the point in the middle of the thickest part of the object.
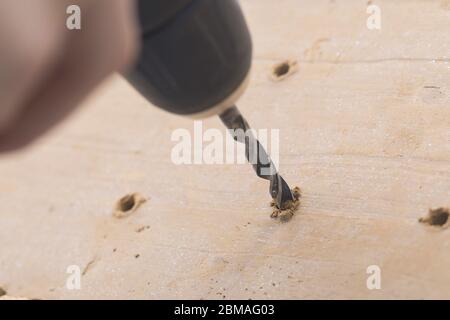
(195, 61)
(257, 156)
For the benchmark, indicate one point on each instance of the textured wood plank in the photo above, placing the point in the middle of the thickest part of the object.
(365, 133)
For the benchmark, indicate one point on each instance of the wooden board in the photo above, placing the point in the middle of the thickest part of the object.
(365, 132)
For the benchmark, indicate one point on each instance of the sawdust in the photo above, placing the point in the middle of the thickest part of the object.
(291, 207)
(436, 217)
(142, 228)
(128, 204)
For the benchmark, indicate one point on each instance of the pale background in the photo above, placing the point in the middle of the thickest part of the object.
(365, 132)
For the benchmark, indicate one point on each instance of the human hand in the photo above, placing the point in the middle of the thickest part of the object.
(47, 69)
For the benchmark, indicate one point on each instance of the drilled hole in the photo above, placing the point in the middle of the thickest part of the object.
(282, 69)
(128, 204)
(438, 217)
(287, 212)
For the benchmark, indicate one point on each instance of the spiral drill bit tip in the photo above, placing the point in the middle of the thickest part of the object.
(257, 156)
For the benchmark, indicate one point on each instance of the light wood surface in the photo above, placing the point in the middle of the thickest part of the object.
(365, 133)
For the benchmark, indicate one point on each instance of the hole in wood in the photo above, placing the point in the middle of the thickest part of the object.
(128, 204)
(438, 217)
(283, 70)
(290, 208)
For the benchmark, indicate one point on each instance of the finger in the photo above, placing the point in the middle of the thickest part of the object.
(106, 43)
(30, 42)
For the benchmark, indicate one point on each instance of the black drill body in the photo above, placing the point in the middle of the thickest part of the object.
(195, 53)
(195, 60)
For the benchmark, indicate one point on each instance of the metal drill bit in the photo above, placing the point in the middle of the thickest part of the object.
(279, 189)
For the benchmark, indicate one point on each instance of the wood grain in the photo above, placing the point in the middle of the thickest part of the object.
(365, 132)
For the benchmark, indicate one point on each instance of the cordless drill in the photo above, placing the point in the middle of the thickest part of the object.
(195, 61)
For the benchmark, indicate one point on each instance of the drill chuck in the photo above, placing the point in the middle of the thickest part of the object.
(195, 56)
